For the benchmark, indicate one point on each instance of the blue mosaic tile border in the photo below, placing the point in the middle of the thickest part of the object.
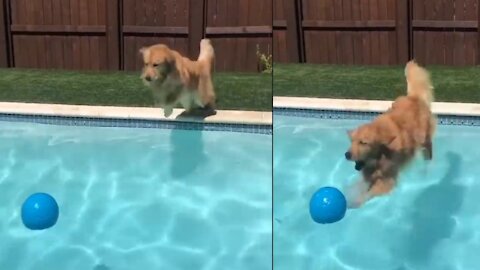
(455, 120)
(135, 123)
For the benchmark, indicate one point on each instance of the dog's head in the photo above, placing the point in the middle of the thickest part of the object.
(369, 142)
(362, 142)
(159, 62)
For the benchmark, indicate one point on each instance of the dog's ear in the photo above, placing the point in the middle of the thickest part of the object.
(350, 133)
(144, 50)
(170, 64)
(171, 61)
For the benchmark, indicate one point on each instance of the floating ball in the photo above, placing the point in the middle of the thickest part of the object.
(328, 205)
(39, 211)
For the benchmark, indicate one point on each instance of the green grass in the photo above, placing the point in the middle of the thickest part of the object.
(452, 84)
(235, 91)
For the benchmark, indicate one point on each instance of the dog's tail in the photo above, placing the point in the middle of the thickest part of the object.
(418, 82)
(207, 53)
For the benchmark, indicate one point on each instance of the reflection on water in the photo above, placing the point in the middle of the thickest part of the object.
(187, 151)
(101, 267)
(433, 212)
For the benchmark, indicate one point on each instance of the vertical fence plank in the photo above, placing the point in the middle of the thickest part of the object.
(9, 18)
(4, 55)
(374, 35)
(294, 40)
(459, 36)
(403, 32)
(478, 32)
(113, 34)
(196, 26)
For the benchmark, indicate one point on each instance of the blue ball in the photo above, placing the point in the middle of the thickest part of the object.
(328, 205)
(39, 211)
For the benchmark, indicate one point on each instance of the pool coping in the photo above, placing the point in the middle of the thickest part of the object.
(440, 108)
(132, 113)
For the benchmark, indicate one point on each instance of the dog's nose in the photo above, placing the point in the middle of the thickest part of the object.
(348, 155)
(148, 78)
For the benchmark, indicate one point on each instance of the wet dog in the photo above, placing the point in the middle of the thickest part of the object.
(177, 80)
(383, 147)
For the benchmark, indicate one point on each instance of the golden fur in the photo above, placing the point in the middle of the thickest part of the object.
(177, 80)
(383, 147)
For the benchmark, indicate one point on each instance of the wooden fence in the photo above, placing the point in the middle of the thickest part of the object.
(377, 32)
(107, 34)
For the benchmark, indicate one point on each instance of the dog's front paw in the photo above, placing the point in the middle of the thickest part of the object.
(357, 194)
(354, 204)
(167, 112)
(357, 200)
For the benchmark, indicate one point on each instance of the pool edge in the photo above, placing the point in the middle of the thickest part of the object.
(357, 105)
(134, 117)
(131, 113)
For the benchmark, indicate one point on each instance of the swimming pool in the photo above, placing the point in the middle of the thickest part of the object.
(430, 221)
(179, 197)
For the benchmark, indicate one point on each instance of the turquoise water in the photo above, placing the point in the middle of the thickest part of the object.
(430, 221)
(136, 198)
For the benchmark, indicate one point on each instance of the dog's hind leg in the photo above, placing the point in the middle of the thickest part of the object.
(428, 149)
(428, 146)
(206, 91)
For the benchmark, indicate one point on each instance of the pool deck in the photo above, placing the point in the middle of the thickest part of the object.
(141, 113)
(442, 108)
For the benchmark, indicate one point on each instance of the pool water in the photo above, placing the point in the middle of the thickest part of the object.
(135, 198)
(430, 221)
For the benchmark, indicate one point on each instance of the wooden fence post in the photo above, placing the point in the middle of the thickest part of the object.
(478, 31)
(5, 57)
(294, 35)
(403, 32)
(196, 26)
(113, 29)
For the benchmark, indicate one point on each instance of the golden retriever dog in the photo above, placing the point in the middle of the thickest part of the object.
(383, 147)
(177, 80)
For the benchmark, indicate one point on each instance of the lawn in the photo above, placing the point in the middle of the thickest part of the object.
(452, 84)
(235, 91)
